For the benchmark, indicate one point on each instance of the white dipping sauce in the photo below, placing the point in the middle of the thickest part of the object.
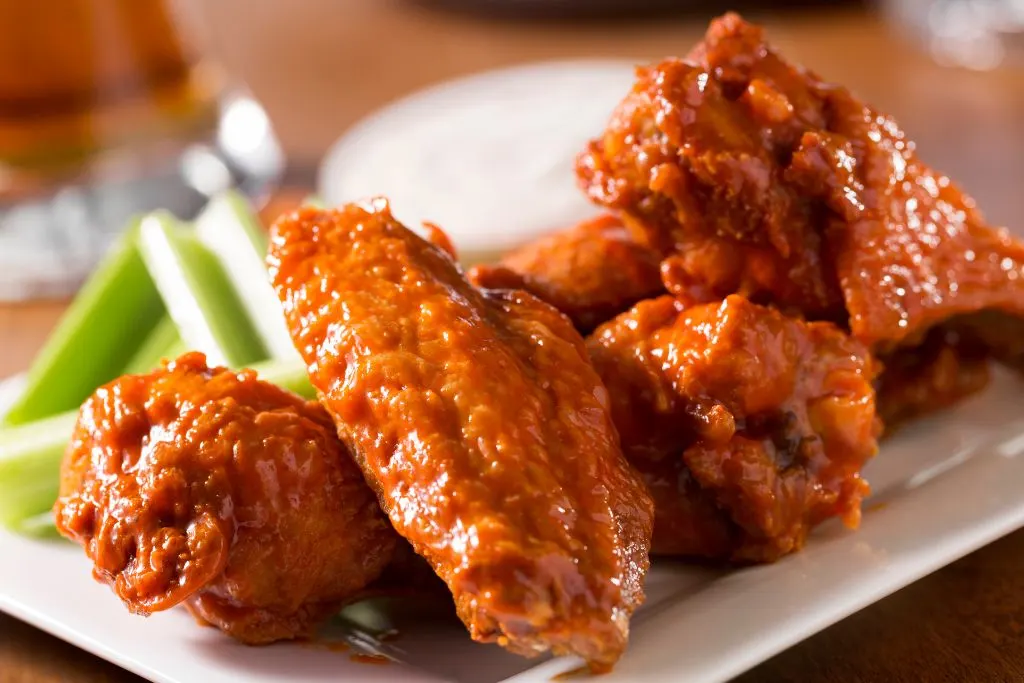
(488, 158)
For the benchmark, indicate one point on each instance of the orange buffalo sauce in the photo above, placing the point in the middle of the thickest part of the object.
(81, 76)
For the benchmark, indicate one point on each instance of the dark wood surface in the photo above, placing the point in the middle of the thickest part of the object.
(320, 65)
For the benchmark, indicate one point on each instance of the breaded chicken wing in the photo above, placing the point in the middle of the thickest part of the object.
(479, 420)
(756, 177)
(750, 427)
(591, 272)
(208, 487)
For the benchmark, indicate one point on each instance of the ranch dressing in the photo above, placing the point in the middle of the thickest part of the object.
(488, 158)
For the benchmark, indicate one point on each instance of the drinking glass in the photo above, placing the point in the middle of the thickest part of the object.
(109, 108)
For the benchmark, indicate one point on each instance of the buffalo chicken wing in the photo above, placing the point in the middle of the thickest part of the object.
(479, 420)
(590, 272)
(749, 427)
(754, 176)
(210, 488)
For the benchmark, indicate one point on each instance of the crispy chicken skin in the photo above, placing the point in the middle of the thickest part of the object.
(750, 427)
(943, 369)
(208, 487)
(479, 420)
(999, 333)
(591, 272)
(756, 177)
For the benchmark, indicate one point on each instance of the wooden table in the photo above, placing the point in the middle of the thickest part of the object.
(319, 65)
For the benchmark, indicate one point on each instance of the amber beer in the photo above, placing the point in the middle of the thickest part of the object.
(80, 78)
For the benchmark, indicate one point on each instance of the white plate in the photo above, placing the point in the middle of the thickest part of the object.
(943, 488)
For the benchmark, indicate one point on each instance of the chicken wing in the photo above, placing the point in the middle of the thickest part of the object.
(946, 367)
(591, 272)
(750, 427)
(756, 177)
(208, 487)
(481, 424)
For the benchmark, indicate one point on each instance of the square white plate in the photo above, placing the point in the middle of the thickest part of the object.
(943, 488)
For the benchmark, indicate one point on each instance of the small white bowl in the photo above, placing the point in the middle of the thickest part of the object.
(489, 158)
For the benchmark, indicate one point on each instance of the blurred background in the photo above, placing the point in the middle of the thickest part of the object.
(320, 65)
(110, 107)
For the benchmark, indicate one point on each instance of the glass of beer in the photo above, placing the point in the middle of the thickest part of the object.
(109, 108)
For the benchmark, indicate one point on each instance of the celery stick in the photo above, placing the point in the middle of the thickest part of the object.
(231, 230)
(30, 455)
(103, 327)
(30, 458)
(197, 293)
(289, 375)
(163, 342)
(314, 201)
(41, 526)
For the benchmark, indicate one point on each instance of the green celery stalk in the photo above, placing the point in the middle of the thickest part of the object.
(197, 293)
(41, 526)
(30, 455)
(105, 324)
(289, 375)
(230, 229)
(163, 342)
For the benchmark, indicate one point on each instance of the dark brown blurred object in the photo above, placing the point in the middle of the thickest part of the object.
(605, 9)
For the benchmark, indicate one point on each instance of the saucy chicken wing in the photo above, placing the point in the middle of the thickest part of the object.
(590, 272)
(756, 177)
(936, 373)
(208, 487)
(479, 420)
(750, 427)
